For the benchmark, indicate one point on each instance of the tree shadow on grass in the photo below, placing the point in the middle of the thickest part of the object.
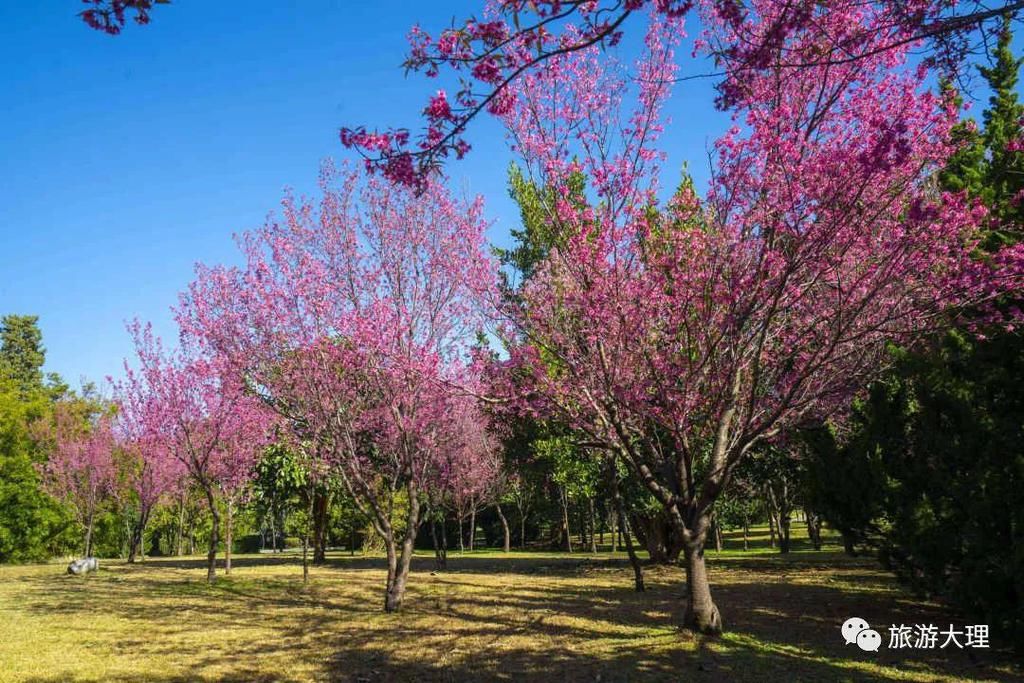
(515, 619)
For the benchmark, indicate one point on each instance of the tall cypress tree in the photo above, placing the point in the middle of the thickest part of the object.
(21, 351)
(1004, 168)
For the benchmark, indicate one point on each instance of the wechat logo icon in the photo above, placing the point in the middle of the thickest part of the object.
(856, 630)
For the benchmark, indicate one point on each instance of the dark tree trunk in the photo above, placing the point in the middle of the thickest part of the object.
(126, 540)
(614, 520)
(179, 543)
(592, 519)
(581, 520)
(273, 529)
(848, 544)
(522, 528)
(311, 497)
(769, 506)
(440, 551)
(634, 561)
(138, 533)
(88, 535)
(228, 531)
(462, 532)
(664, 543)
(746, 532)
(813, 528)
(717, 531)
(398, 563)
(784, 528)
(321, 516)
(507, 546)
(701, 613)
(211, 554)
(134, 542)
(567, 537)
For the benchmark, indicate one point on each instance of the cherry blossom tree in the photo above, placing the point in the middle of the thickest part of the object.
(148, 468)
(679, 336)
(488, 56)
(469, 473)
(79, 469)
(198, 412)
(352, 320)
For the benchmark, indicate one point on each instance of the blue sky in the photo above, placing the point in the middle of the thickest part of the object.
(125, 160)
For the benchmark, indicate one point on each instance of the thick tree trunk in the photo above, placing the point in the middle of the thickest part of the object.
(135, 543)
(701, 614)
(398, 566)
(656, 532)
(784, 528)
(211, 555)
(228, 532)
(504, 527)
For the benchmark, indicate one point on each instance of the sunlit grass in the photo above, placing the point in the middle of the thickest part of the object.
(521, 616)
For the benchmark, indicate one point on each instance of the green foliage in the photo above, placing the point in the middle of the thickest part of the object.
(21, 351)
(571, 468)
(1003, 176)
(933, 467)
(965, 170)
(947, 431)
(540, 232)
(846, 478)
(279, 474)
(32, 525)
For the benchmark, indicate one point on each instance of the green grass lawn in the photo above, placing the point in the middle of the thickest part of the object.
(515, 617)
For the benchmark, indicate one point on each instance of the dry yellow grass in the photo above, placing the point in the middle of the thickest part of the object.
(524, 616)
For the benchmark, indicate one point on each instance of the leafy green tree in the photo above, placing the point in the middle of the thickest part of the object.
(846, 478)
(1004, 170)
(932, 466)
(21, 351)
(32, 525)
(949, 434)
